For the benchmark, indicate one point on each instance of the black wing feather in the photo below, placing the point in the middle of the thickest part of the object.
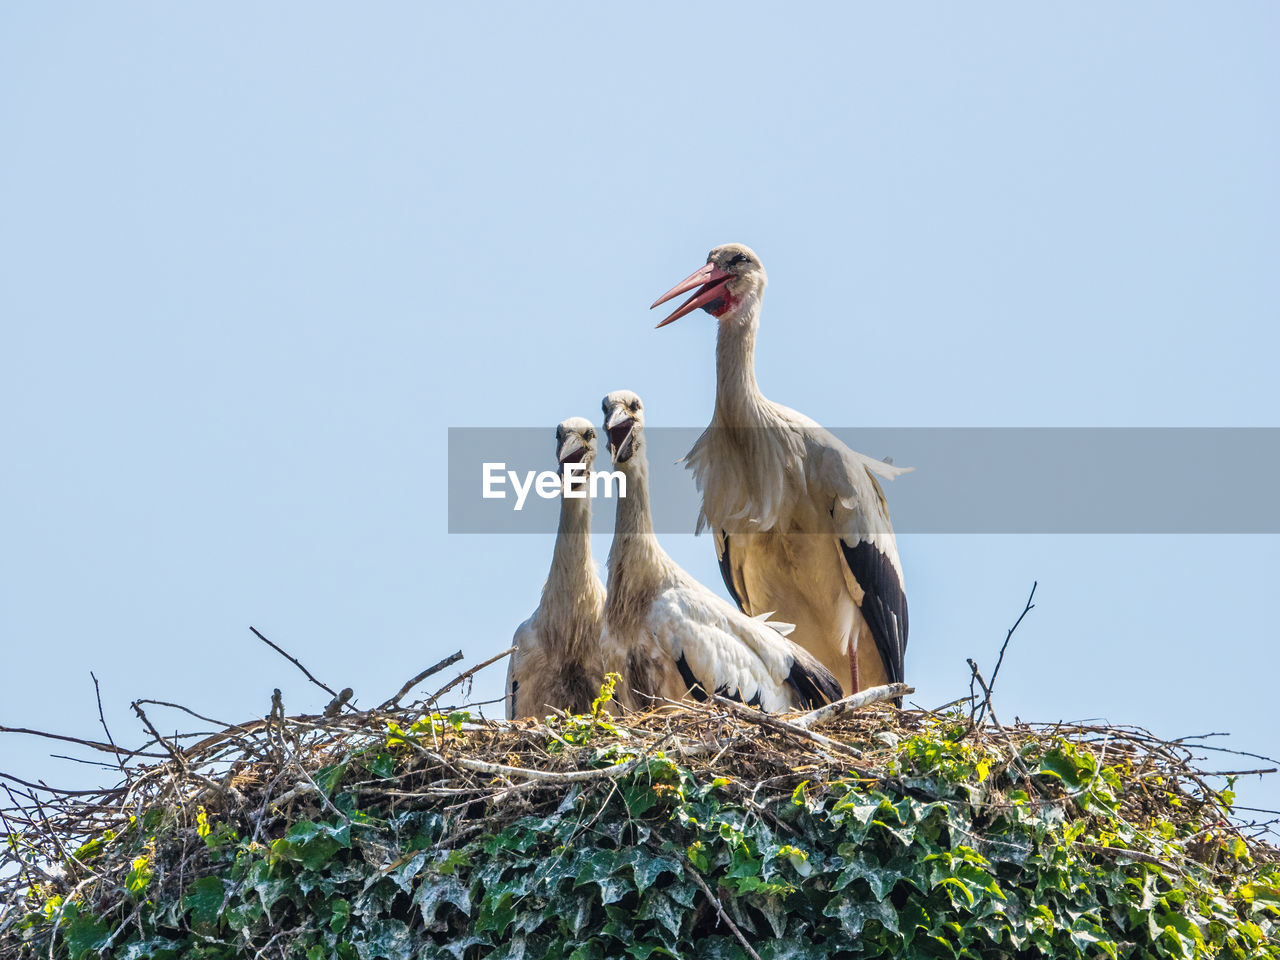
(816, 684)
(699, 693)
(884, 604)
(726, 572)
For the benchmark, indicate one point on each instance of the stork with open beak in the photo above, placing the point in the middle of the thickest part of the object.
(669, 636)
(801, 525)
(557, 662)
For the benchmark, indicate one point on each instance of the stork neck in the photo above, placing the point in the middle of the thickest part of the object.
(571, 559)
(738, 397)
(634, 518)
(636, 562)
(573, 596)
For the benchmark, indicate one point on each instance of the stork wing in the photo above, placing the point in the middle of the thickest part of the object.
(732, 584)
(526, 642)
(717, 649)
(861, 518)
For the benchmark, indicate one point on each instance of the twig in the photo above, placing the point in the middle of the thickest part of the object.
(188, 710)
(48, 789)
(294, 660)
(103, 720)
(986, 693)
(335, 705)
(467, 674)
(854, 701)
(92, 744)
(172, 750)
(433, 669)
(1027, 608)
(175, 753)
(543, 776)
(715, 901)
(785, 726)
(1132, 855)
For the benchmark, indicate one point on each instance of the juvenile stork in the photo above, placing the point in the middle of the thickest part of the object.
(800, 523)
(557, 662)
(668, 635)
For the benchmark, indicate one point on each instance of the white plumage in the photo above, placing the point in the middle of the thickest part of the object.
(801, 525)
(558, 662)
(669, 636)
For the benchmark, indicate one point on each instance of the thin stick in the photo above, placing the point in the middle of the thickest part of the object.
(1013, 752)
(543, 776)
(294, 660)
(693, 871)
(1004, 646)
(48, 789)
(103, 720)
(173, 751)
(435, 668)
(768, 720)
(854, 701)
(467, 674)
(93, 744)
(188, 710)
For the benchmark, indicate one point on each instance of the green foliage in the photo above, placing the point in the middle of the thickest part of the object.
(950, 850)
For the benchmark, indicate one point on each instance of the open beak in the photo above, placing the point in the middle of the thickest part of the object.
(571, 449)
(618, 425)
(708, 278)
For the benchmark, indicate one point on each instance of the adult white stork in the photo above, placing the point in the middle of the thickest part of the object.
(669, 636)
(557, 662)
(800, 523)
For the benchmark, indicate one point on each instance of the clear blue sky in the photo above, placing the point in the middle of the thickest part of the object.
(255, 260)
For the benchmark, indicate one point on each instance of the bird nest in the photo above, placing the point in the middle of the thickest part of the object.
(72, 854)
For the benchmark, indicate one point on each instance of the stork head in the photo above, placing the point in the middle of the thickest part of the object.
(729, 286)
(624, 425)
(576, 442)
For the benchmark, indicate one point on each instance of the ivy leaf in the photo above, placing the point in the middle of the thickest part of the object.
(402, 874)
(853, 914)
(386, 940)
(203, 900)
(775, 912)
(153, 948)
(328, 778)
(582, 916)
(647, 867)
(613, 889)
(792, 949)
(269, 889)
(496, 913)
(84, 935)
(382, 765)
(340, 915)
(658, 906)
(1060, 764)
(312, 844)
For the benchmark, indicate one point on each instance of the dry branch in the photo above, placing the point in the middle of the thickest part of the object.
(855, 701)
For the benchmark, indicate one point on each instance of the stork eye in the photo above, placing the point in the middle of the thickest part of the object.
(591, 434)
(738, 258)
(635, 405)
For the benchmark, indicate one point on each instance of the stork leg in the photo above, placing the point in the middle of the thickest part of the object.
(853, 661)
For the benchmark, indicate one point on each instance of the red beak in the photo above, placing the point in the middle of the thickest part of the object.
(709, 277)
